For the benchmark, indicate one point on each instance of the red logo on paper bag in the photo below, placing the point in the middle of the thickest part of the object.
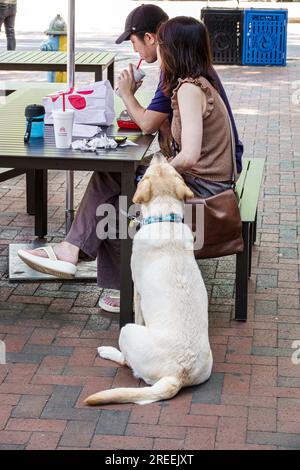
(76, 101)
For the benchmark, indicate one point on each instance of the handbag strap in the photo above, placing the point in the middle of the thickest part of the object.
(234, 170)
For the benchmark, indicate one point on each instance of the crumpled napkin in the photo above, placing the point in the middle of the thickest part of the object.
(91, 145)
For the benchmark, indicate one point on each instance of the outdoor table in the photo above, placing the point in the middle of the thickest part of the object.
(43, 155)
(46, 61)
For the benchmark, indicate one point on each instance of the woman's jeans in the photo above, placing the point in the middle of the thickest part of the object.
(8, 16)
(105, 188)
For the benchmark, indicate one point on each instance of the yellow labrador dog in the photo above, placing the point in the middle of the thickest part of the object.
(168, 345)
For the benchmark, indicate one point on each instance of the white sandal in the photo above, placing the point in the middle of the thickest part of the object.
(50, 265)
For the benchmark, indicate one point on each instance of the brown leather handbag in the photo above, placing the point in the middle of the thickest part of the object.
(222, 221)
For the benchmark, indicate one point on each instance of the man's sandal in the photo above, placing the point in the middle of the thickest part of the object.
(50, 265)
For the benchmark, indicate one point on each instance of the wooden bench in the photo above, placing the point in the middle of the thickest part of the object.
(247, 189)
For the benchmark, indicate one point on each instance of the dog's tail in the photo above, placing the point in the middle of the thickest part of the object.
(165, 388)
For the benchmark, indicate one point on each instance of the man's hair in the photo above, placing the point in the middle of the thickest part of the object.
(153, 30)
(141, 34)
(184, 47)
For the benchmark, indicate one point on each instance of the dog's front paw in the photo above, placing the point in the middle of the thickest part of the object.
(108, 352)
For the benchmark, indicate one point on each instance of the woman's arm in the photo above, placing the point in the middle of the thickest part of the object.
(192, 105)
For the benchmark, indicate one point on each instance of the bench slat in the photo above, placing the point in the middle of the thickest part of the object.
(250, 188)
(240, 182)
(84, 58)
(37, 57)
(100, 58)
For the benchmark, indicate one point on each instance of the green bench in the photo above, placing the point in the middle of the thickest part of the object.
(247, 190)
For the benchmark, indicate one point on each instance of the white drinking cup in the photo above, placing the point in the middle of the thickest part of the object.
(63, 128)
(138, 74)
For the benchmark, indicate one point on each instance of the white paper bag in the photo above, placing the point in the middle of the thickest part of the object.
(93, 104)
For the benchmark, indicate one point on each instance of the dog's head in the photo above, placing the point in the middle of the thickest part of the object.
(161, 179)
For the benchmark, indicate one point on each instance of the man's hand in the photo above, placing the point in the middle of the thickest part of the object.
(126, 84)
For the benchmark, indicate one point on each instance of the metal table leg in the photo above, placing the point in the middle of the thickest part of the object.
(30, 192)
(98, 74)
(41, 195)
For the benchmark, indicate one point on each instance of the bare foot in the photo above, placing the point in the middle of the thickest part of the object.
(64, 251)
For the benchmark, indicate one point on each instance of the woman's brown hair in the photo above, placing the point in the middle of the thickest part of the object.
(184, 47)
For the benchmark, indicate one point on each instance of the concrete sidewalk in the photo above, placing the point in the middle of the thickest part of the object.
(52, 330)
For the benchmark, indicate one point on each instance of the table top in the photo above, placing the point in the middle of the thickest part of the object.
(29, 58)
(42, 153)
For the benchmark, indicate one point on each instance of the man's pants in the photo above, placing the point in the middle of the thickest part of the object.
(103, 188)
(8, 16)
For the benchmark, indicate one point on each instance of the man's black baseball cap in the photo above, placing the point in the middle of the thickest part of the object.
(145, 18)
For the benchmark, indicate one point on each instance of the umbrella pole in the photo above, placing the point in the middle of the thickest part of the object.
(69, 213)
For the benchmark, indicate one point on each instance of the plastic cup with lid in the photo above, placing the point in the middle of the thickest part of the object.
(63, 127)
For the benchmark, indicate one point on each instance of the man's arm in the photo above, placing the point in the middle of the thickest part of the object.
(148, 120)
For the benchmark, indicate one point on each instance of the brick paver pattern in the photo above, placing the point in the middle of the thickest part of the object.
(52, 330)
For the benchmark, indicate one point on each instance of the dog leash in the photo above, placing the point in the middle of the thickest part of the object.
(133, 221)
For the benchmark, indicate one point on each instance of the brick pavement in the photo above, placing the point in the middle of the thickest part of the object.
(52, 330)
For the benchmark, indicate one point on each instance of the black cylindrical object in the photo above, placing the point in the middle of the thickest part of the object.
(34, 114)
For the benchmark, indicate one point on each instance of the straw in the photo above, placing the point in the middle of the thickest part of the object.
(64, 102)
(138, 65)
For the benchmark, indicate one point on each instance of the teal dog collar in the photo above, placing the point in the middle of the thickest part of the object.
(163, 218)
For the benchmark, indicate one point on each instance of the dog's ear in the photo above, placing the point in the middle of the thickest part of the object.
(143, 192)
(182, 190)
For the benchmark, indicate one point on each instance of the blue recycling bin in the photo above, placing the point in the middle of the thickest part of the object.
(265, 37)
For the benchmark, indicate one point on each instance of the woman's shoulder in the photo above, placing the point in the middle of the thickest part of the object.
(193, 87)
(190, 91)
(200, 81)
